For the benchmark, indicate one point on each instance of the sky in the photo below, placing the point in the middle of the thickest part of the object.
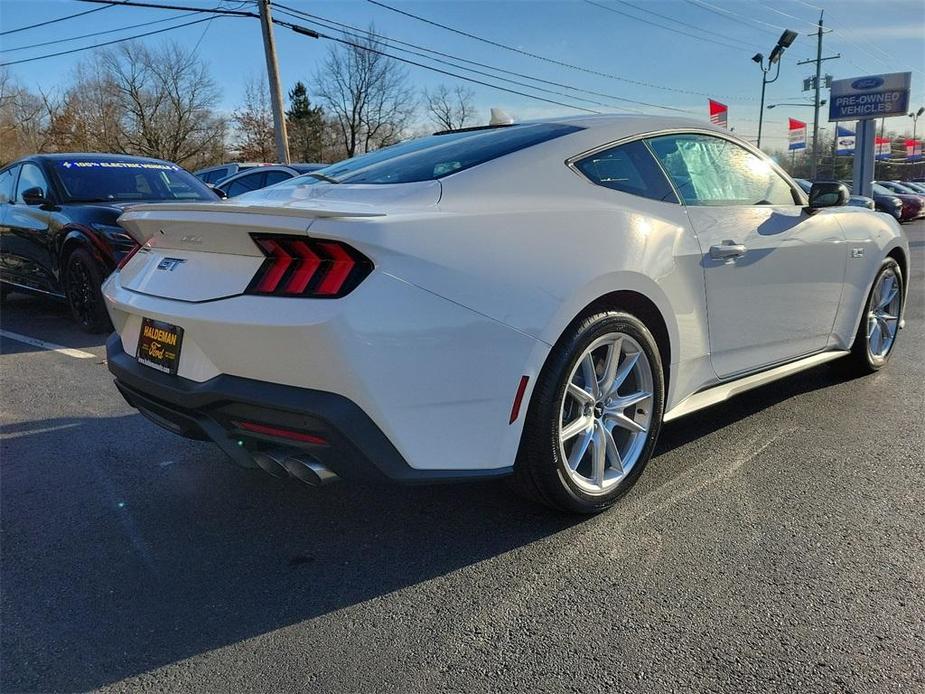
(615, 47)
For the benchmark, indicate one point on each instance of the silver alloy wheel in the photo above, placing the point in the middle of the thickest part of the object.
(606, 413)
(883, 315)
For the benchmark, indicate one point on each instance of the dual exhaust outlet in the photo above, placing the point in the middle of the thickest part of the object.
(303, 467)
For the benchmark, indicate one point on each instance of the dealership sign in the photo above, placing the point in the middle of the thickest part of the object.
(874, 96)
(797, 134)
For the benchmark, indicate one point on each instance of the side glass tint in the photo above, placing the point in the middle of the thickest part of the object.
(7, 179)
(31, 176)
(629, 168)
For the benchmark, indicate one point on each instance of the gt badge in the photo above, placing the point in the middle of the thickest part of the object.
(170, 264)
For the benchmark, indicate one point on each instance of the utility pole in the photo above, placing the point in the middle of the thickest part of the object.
(276, 94)
(814, 164)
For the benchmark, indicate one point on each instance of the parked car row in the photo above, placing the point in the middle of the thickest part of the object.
(912, 201)
(260, 177)
(233, 179)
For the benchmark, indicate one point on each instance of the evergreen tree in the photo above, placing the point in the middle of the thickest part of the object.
(306, 126)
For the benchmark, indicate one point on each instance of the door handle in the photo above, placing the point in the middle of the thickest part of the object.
(727, 250)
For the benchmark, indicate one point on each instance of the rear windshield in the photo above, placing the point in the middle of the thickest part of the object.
(435, 156)
(117, 180)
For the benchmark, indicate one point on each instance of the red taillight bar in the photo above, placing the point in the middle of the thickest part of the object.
(268, 430)
(281, 262)
(301, 267)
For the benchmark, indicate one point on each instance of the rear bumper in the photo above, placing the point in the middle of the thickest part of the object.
(356, 449)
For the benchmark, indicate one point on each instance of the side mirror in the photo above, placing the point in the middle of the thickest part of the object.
(34, 196)
(827, 194)
(218, 191)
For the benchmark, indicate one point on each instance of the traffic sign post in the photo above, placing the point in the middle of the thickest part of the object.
(865, 99)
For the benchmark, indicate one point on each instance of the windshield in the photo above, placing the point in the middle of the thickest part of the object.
(435, 156)
(124, 180)
(880, 190)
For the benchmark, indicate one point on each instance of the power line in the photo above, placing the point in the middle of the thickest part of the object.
(682, 23)
(735, 17)
(546, 59)
(50, 21)
(106, 43)
(164, 6)
(668, 28)
(98, 33)
(302, 30)
(331, 24)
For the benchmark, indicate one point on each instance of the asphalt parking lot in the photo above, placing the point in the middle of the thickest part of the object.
(775, 543)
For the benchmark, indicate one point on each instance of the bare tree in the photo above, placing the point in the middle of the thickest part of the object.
(365, 93)
(25, 117)
(253, 124)
(156, 102)
(450, 109)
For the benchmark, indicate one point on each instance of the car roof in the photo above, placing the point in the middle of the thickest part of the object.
(89, 156)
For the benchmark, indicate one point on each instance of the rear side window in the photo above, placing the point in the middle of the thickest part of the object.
(7, 179)
(276, 177)
(442, 155)
(245, 184)
(629, 168)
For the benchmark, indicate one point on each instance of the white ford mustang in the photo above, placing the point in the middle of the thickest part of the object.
(530, 300)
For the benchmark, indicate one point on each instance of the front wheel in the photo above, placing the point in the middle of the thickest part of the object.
(595, 415)
(82, 282)
(876, 337)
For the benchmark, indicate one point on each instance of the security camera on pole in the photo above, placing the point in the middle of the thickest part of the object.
(782, 44)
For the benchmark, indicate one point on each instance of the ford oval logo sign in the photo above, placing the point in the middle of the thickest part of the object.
(867, 83)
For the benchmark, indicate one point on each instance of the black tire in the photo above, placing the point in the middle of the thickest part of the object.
(861, 361)
(540, 471)
(83, 278)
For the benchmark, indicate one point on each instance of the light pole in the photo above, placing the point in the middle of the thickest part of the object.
(782, 43)
(915, 122)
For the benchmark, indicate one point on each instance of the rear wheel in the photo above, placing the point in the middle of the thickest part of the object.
(873, 345)
(82, 281)
(594, 416)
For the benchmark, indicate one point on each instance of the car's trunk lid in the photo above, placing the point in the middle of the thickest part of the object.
(205, 251)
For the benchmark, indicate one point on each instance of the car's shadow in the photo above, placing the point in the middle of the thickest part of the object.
(126, 548)
(44, 319)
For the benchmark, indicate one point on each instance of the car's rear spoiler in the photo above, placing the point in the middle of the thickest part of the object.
(283, 210)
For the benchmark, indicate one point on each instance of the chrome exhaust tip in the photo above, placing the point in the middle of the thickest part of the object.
(309, 470)
(271, 462)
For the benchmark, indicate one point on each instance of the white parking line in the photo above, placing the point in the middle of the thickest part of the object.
(51, 346)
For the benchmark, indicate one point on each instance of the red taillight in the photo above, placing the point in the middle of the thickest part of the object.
(299, 266)
(128, 256)
(268, 430)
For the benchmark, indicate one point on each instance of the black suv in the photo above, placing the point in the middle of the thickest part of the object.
(58, 231)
